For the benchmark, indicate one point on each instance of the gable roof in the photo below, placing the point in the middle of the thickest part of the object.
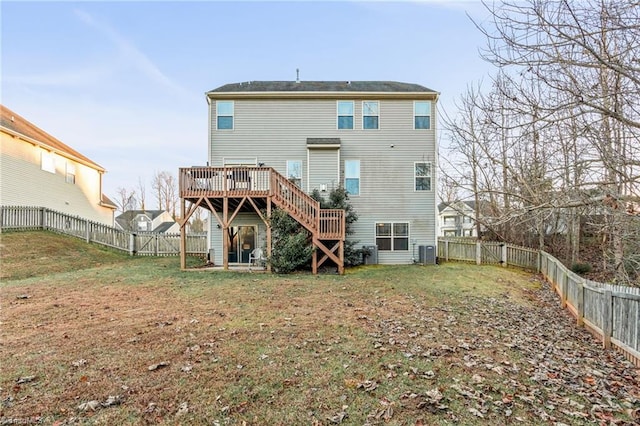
(164, 227)
(322, 86)
(18, 126)
(131, 214)
(444, 205)
(321, 89)
(124, 219)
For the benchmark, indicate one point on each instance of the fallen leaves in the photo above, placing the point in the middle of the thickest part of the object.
(526, 362)
(94, 405)
(25, 379)
(159, 365)
(367, 385)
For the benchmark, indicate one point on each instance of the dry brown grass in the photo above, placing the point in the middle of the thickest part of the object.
(374, 346)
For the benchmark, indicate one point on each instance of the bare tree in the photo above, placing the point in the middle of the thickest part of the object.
(197, 223)
(125, 199)
(142, 194)
(565, 119)
(165, 187)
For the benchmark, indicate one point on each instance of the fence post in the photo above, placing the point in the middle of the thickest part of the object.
(41, 225)
(580, 307)
(1, 218)
(503, 254)
(446, 250)
(607, 318)
(132, 244)
(87, 230)
(478, 253)
(156, 248)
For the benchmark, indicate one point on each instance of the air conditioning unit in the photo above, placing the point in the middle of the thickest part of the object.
(427, 255)
(370, 255)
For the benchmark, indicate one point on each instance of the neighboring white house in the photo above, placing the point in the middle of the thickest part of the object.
(37, 169)
(377, 139)
(159, 221)
(457, 219)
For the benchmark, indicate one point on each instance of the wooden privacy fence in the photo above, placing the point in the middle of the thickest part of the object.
(610, 312)
(134, 243)
(488, 252)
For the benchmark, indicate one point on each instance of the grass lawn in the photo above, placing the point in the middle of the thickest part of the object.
(90, 336)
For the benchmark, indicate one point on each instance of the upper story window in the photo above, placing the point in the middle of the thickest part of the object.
(294, 172)
(71, 173)
(422, 174)
(224, 115)
(422, 115)
(345, 114)
(450, 220)
(370, 114)
(48, 162)
(352, 176)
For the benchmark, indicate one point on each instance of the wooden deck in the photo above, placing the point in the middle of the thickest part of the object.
(227, 191)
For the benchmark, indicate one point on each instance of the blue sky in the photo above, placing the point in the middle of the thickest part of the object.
(124, 82)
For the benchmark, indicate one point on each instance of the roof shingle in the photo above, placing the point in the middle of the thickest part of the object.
(322, 86)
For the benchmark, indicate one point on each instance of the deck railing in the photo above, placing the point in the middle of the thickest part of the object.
(262, 182)
(24, 218)
(332, 224)
(223, 181)
(611, 312)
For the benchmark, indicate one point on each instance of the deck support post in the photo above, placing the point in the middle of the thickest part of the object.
(225, 233)
(268, 234)
(183, 236)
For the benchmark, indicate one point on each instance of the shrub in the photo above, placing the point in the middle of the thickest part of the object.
(581, 268)
(291, 248)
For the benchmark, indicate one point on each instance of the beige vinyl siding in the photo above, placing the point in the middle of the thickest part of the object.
(324, 169)
(24, 183)
(240, 220)
(277, 130)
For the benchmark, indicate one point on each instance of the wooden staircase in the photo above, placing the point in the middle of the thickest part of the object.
(203, 186)
(327, 226)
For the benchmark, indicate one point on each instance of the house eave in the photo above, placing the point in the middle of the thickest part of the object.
(433, 96)
(43, 145)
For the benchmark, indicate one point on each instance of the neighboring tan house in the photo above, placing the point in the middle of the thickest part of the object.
(159, 221)
(273, 142)
(37, 169)
(457, 219)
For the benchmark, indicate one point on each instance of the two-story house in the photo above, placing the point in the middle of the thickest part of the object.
(458, 219)
(37, 169)
(273, 142)
(159, 221)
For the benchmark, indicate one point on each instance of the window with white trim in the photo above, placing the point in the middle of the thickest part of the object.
(422, 174)
(422, 115)
(70, 176)
(294, 172)
(48, 162)
(370, 114)
(224, 115)
(352, 176)
(392, 236)
(450, 220)
(345, 114)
